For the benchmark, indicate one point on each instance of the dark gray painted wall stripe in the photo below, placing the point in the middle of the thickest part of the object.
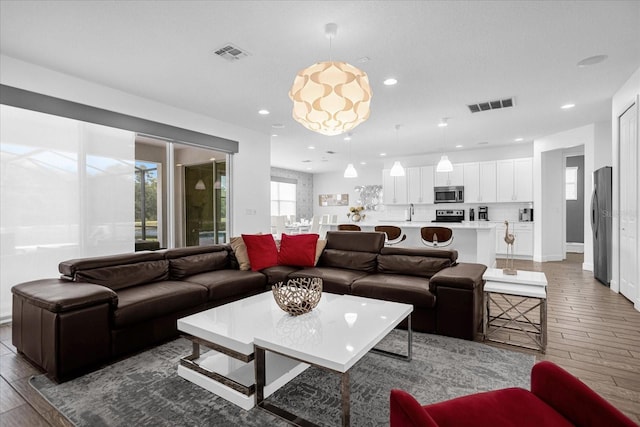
(60, 107)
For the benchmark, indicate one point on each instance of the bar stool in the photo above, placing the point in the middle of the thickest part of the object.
(436, 237)
(394, 234)
(348, 227)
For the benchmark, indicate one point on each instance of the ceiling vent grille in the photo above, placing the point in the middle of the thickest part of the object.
(231, 53)
(491, 105)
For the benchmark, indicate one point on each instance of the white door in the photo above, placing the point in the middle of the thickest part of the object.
(629, 203)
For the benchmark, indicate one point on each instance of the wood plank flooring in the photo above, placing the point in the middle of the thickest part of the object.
(593, 333)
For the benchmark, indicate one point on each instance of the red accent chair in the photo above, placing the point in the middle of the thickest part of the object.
(557, 398)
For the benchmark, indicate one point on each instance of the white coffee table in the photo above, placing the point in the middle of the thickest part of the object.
(348, 327)
(515, 297)
(231, 330)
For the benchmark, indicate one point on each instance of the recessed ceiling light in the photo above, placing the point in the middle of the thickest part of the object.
(347, 138)
(311, 147)
(364, 59)
(390, 81)
(308, 169)
(277, 126)
(518, 139)
(592, 60)
(483, 143)
(212, 159)
(568, 106)
(179, 164)
(274, 134)
(363, 163)
(263, 112)
(383, 154)
(459, 146)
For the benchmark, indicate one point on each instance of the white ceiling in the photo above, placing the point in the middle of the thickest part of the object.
(445, 55)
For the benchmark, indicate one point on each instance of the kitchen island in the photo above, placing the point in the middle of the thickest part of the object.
(475, 241)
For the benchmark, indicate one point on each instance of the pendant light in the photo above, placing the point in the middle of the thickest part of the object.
(200, 185)
(397, 169)
(330, 97)
(350, 171)
(444, 165)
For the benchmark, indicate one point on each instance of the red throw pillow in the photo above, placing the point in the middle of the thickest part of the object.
(261, 249)
(298, 250)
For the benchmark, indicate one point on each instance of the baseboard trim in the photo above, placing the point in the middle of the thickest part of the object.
(587, 266)
(548, 258)
(577, 248)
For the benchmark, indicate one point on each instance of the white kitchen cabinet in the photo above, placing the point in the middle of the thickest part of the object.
(515, 180)
(420, 185)
(480, 182)
(523, 243)
(471, 182)
(394, 188)
(455, 177)
(523, 179)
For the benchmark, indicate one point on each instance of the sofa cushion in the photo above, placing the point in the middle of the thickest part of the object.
(393, 287)
(240, 253)
(262, 250)
(362, 241)
(229, 283)
(413, 265)
(278, 273)
(320, 245)
(71, 267)
(194, 264)
(123, 276)
(510, 406)
(351, 260)
(145, 302)
(335, 280)
(298, 250)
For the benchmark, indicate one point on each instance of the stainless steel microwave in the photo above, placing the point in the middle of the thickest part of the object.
(448, 194)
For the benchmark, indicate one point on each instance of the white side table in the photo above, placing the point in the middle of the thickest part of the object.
(513, 296)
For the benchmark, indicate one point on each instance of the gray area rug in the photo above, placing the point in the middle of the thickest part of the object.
(146, 390)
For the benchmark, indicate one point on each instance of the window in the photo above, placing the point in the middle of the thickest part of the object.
(146, 204)
(283, 198)
(571, 183)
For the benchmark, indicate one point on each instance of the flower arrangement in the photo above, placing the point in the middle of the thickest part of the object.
(355, 213)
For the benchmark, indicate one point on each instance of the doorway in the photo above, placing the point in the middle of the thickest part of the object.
(205, 203)
(628, 228)
(574, 200)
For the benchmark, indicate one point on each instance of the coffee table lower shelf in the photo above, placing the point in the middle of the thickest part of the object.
(234, 379)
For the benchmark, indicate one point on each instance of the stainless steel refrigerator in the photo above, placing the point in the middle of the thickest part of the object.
(601, 224)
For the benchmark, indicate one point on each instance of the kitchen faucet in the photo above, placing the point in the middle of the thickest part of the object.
(411, 212)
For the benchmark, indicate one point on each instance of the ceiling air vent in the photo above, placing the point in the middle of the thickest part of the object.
(330, 152)
(306, 161)
(491, 105)
(231, 53)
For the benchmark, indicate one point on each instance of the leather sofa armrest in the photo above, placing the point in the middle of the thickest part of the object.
(573, 399)
(462, 275)
(58, 296)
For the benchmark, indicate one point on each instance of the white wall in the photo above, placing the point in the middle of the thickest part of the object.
(250, 169)
(551, 222)
(622, 99)
(548, 196)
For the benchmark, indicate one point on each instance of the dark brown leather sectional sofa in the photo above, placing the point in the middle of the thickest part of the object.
(104, 308)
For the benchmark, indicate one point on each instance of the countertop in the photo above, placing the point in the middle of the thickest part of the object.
(470, 225)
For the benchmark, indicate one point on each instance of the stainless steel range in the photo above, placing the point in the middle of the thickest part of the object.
(449, 215)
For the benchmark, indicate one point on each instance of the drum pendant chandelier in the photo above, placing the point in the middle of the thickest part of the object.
(330, 97)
